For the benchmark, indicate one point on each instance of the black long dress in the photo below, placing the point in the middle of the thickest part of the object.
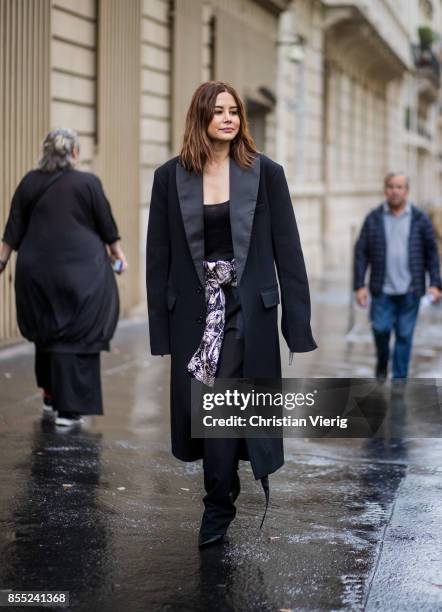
(66, 294)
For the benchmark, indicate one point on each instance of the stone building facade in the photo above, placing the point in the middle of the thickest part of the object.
(72, 63)
(336, 90)
(357, 98)
(121, 73)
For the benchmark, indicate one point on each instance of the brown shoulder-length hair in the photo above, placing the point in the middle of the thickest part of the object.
(197, 148)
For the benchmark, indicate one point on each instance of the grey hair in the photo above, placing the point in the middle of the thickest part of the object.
(391, 175)
(58, 150)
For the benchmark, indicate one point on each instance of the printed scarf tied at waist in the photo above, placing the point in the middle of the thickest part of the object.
(204, 362)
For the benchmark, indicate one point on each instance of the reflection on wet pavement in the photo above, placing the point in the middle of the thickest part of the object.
(106, 513)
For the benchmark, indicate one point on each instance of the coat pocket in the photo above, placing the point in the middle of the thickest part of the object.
(270, 297)
(171, 299)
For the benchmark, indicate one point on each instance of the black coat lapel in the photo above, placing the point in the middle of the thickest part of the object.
(190, 194)
(244, 185)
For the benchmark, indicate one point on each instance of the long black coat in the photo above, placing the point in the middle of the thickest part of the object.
(264, 233)
(66, 294)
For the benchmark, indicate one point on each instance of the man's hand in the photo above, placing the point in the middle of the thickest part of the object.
(435, 293)
(362, 297)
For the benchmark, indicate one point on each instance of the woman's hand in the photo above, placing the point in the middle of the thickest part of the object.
(116, 252)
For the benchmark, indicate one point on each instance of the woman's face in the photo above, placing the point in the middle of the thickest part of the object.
(225, 121)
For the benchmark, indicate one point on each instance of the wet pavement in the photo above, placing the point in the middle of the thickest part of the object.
(109, 515)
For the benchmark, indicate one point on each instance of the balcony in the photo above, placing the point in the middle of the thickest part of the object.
(428, 74)
(274, 6)
(371, 33)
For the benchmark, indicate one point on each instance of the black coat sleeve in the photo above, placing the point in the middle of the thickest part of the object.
(432, 264)
(18, 219)
(157, 269)
(290, 265)
(105, 222)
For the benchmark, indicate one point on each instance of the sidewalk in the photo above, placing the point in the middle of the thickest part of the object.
(109, 515)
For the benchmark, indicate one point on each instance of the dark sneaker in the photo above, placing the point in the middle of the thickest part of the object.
(398, 386)
(48, 411)
(381, 371)
(66, 419)
(47, 398)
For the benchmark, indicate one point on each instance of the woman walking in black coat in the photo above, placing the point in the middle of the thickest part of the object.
(221, 217)
(66, 295)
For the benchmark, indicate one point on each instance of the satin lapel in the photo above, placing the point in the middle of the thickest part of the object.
(190, 195)
(244, 185)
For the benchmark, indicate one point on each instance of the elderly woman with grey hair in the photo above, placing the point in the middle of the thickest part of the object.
(61, 224)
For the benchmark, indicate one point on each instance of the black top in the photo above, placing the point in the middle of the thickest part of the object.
(66, 294)
(217, 232)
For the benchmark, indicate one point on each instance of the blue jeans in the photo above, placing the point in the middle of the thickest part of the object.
(398, 312)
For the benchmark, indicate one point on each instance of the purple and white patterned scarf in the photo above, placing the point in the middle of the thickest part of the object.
(204, 362)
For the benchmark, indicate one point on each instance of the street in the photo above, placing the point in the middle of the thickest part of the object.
(106, 513)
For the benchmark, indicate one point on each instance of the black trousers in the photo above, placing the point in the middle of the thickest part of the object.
(221, 455)
(71, 379)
